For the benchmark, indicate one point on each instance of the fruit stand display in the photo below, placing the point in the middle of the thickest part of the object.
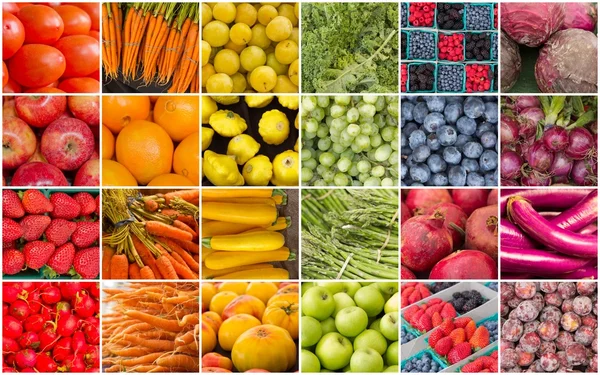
(51, 141)
(50, 233)
(250, 327)
(449, 329)
(349, 327)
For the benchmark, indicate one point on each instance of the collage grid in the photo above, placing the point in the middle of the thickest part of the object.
(303, 274)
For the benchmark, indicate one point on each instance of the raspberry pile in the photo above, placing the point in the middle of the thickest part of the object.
(477, 46)
(421, 14)
(450, 16)
(478, 17)
(403, 77)
(450, 47)
(479, 78)
(421, 77)
(495, 16)
(450, 78)
(421, 45)
(403, 45)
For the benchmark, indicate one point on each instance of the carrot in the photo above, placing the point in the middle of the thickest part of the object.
(112, 41)
(134, 271)
(194, 266)
(146, 273)
(146, 256)
(180, 267)
(183, 226)
(119, 266)
(161, 229)
(134, 351)
(179, 360)
(189, 246)
(188, 57)
(166, 324)
(148, 358)
(151, 205)
(131, 24)
(196, 258)
(166, 268)
(106, 38)
(117, 21)
(167, 49)
(184, 339)
(107, 254)
(187, 195)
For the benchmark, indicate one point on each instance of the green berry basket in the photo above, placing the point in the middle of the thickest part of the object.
(464, 78)
(449, 33)
(410, 26)
(434, 78)
(464, 16)
(408, 41)
(488, 61)
(405, 47)
(491, 10)
(420, 354)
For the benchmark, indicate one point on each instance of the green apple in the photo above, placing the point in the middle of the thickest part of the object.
(392, 304)
(309, 362)
(351, 321)
(334, 351)
(365, 283)
(391, 354)
(371, 339)
(389, 326)
(318, 302)
(328, 325)
(366, 360)
(325, 370)
(350, 288)
(388, 288)
(305, 286)
(342, 300)
(347, 369)
(334, 287)
(376, 325)
(393, 368)
(369, 299)
(311, 331)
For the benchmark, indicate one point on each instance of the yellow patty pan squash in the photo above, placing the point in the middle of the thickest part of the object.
(226, 100)
(209, 107)
(296, 124)
(207, 136)
(274, 127)
(221, 170)
(285, 169)
(243, 147)
(297, 145)
(289, 101)
(258, 101)
(227, 123)
(258, 171)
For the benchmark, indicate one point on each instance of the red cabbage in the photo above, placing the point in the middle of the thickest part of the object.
(511, 62)
(580, 16)
(531, 23)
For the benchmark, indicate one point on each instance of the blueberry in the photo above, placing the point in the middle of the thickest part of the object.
(491, 112)
(462, 140)
(472, 150)
(470, 165)
(416, 139)
(420, 111)
(484, 127)
(420, 173)
(474, 107)
(433, 142)
(433, 121)
(488, 160)
(439, 179)
(403, 140)
(455, 99)
(488, 139)
(421, 153)
(457, 176)
(435, 103)
(405, 151)
(452, 112)
(475, 179)
(416, 184)
(447, 135)
(452, 155)
(466, 125)
(436, 164)
(410, 161)
(407, 110)
(491, 179)
(403, 170)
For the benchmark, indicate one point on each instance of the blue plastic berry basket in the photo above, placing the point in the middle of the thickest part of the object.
(435, 39)
(491, 10)
(434, 78)
(449, 33)
(420, 354)
(464, 79)
(464, 16)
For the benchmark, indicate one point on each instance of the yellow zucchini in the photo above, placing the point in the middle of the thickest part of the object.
(219, 228)
(263, 274)
(256, 214)
(281, 224)
(269, 201)
(264, 240)
(227, 259)
(237, 193)
(207, 273)
(206, 252)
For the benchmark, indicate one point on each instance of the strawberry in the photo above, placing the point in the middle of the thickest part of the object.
(434, 308)
(37, 253)
(436, 319)
(407, 291)
(480, 339)
(448, 311)
(59, 231)
(488, 361)
(86, 264)
(434, 301)
(97, 205)
(435, 336)
(494, 354)
(475, 366)
(8, 245)
(12, 261)
(459, 352)
(34, 226)
(424, 323)
(65, 207)
(414, 296)
(86, 201)
(415, 318)
(458, 335)
(35, 202)
(462, 321)
(11, 205)
(409, 312)
(60, 262)
(443, 346)
(447, 326)
(11, 230)
(470, 329)
(86, 234)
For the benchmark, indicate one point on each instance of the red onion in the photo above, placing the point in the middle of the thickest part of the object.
(561, 166)
(523, 102)
(509, 129)
(536, 179)
(584, 172)
(510, 165)
(539, 157)
(581, 143)
(510, 183)
(556, 138)
(529, 118)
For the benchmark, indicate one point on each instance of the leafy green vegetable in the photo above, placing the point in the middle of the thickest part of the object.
(350, 47)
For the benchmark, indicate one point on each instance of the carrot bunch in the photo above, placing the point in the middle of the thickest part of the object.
(150, 237)
(155, 42)
(151, 327)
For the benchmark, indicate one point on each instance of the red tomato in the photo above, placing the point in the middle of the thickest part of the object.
(46, 90)
(13, 35)
(10, 8)
(4, 74)
(95, 34)
(93, 10)
(82, 53)
(36, 65)
(21, 5)
(76, 20)
(42, 24)
(84, 84)
(12, 87)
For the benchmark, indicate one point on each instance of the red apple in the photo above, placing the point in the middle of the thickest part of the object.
(67, 143)
(39, 111)
(18, 142)
(8, 108)
(85, 108)
(38, 174)
(37, 155)
(88, 174)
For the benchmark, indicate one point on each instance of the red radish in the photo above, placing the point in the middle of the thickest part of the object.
(482, 231)
(465, 264)
(425, 241)
(493, 197)
(34, 323)
(73, 363)
(46, 313)
(418, 201)
(62, 349)
(68, 290)
(93, 320)
(8, 369)
(51, 295)
(94, 290)
(67, 324)
(9, 293)
(96, 369)
(78, 342)
(406, 274)
(25, 358)
(34, 301)
(4, 309)
(470, 199)
(19, 309)
(455, 220)
(92, 356)
(404, 213)
(48, 338)
(29, 340)
(9, 345)
(45, 363)
(92, 335)
(84, 305)
(11, 327)
(27, 286)
(9, 359)
(63, 307)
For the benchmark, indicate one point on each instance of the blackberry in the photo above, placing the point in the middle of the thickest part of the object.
(438, 287)
(450, 16)
(403, 41)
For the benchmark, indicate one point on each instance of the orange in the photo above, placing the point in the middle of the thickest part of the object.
(170, 179)
(186, 158)
(108, 143)
(178, 115)
(115, 174)
(119, 111)
(145, 149)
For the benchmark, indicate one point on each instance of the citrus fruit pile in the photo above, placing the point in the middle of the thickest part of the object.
(256, 140)
(150, 140)
(250, 47)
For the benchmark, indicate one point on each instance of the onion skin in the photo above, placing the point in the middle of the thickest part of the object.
(539, 157)
(548, 234)
(528, 120)
(538, 261)
(544, 199)
(526, 101)
(581, 142)
(509, 129)
(561, 165)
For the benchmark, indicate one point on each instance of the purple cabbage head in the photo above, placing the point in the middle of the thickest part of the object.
(511, 62)
(580, 16)
(531, 23)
